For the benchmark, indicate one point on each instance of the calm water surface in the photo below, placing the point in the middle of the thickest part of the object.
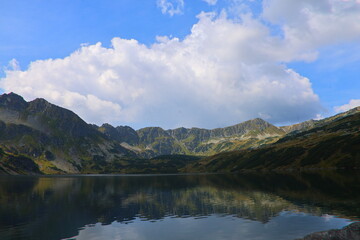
(247, 206)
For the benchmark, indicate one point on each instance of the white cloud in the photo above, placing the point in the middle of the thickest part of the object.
(222, 73)
(352, 104)
(13, 65)
(308, 25)
(171, 7)
(225, 71)
(211, 2)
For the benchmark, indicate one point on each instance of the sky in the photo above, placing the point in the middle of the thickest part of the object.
(172, 63)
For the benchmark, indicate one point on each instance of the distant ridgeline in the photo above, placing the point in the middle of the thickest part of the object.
(39, 137)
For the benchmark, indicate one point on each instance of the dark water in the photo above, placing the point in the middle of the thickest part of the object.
(250, 206)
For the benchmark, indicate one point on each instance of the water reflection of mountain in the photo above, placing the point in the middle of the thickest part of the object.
(63, 205)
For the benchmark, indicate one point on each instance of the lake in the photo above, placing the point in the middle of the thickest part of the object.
(207, 206)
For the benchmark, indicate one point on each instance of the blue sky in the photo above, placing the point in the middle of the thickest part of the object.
(192, 63)
(37, 29)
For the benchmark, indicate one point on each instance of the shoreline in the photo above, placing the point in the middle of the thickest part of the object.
(349, 232)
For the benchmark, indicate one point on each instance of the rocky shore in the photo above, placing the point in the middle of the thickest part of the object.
(350, 232)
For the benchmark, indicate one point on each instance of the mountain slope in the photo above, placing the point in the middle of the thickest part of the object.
(54, 137)
(17, 164)
(307, 125)
(332, 145)
(155, 141)
(39, 137)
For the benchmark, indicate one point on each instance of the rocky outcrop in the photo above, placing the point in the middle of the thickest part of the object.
(121, 133)
(249, 128)
(350, 232)
(300, 126)
(155, 141)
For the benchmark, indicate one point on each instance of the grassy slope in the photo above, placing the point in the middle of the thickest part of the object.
(335, 145)
(55, 140)
(17, 164)
(155, 141)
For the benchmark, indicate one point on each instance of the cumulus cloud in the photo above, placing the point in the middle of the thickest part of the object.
(210, 2)
(352, 104)
(171, 7)
(222, 73)
(308, 25)
(225, 71)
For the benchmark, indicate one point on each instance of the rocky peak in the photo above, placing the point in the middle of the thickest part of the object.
(40, 106)
(300, 126)
(109, 131)
(257, 125)
(43, 116)
(149, 134)
(120, 133)
(179, 133)
(12, 101)
(128, 134)
(106, 126)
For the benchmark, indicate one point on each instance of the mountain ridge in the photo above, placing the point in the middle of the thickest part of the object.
(332, 145)
(58, 141)
(56, 138)
(154, 141)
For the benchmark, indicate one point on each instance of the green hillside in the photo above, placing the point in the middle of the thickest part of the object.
(154, 141)
(56, 139)
(335, 144)
(38, 137)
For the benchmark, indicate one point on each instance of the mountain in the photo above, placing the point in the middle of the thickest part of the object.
(154, 141)
(53, 138)
(303, 126)
(335, 143)
(39, 137)
(120, 133)
(307, 125)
